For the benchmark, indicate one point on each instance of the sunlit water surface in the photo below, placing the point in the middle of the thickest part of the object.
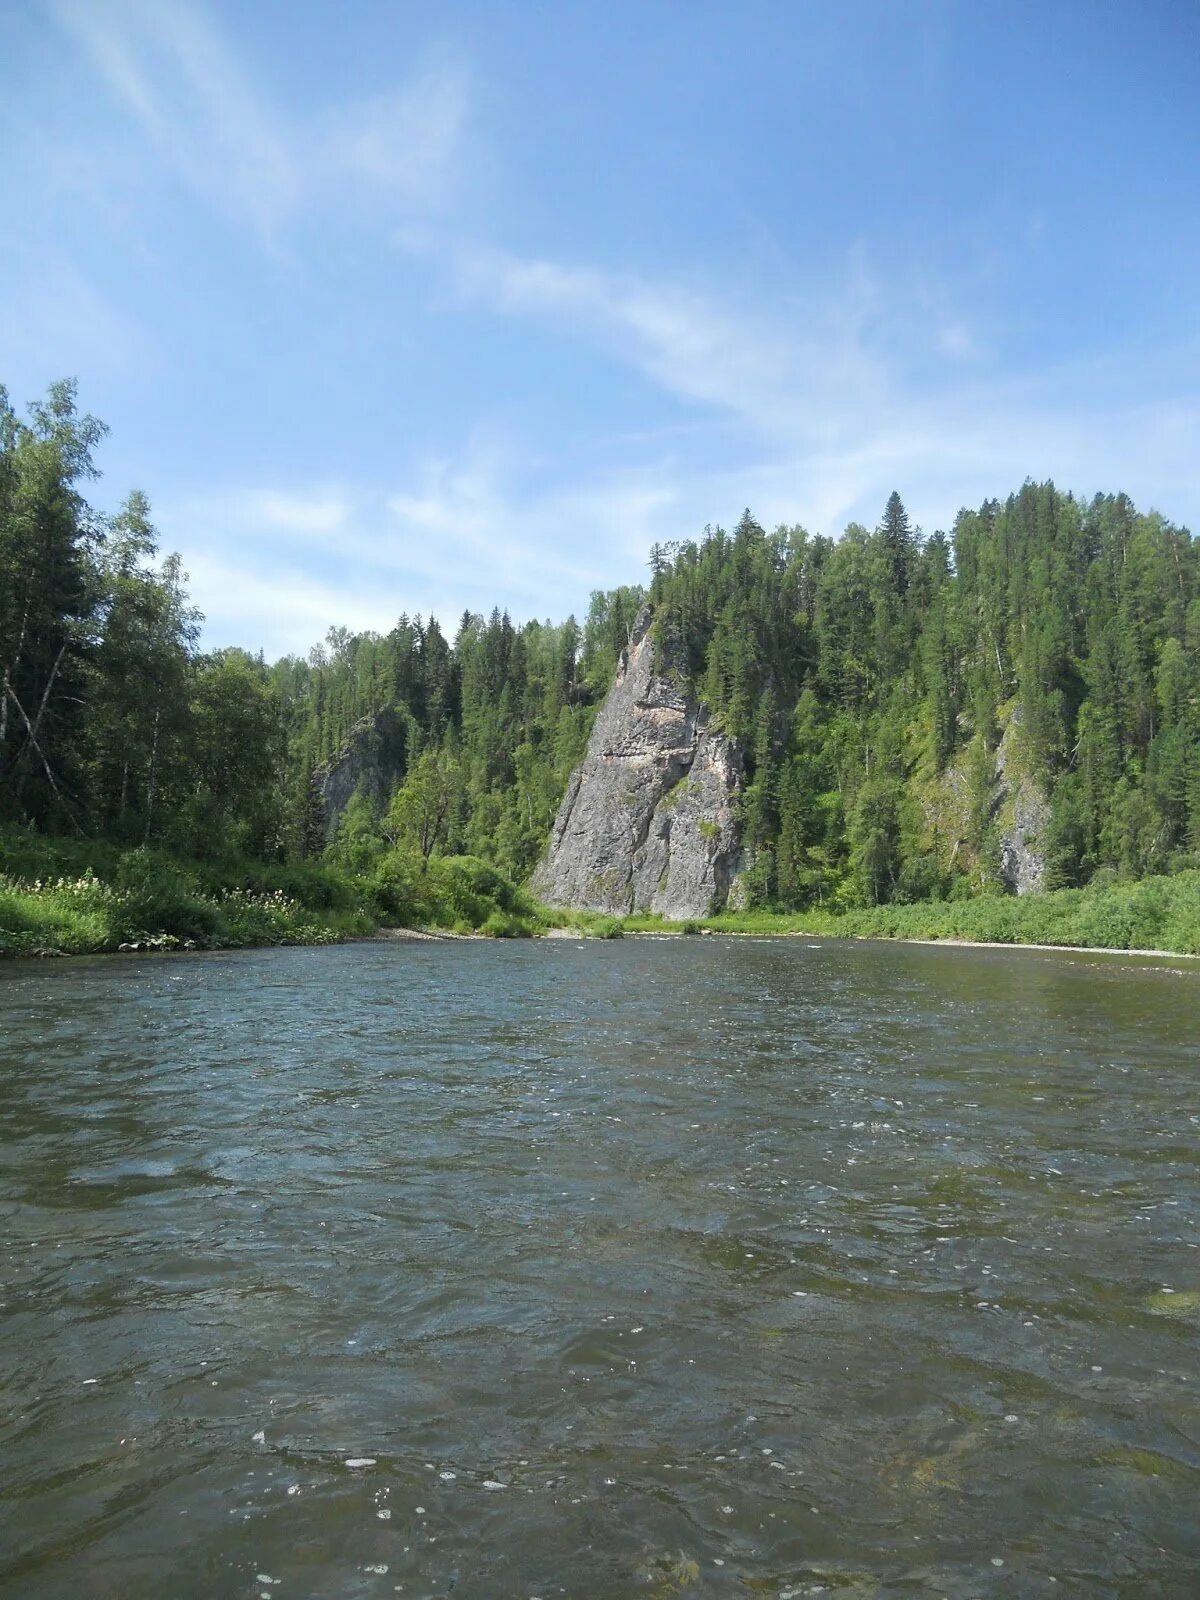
(705, 1267)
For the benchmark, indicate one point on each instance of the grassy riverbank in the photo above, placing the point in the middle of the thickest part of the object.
(81, 897)
(1161, 913)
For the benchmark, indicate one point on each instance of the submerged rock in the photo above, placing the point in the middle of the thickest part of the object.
(648, 822)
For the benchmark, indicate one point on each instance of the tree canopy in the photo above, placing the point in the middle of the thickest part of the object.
(869, 680)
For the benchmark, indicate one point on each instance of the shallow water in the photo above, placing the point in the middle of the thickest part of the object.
(706, 1267)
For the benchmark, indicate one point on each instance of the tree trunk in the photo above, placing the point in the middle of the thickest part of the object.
(151, 776)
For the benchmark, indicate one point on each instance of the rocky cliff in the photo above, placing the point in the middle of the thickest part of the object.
(373, 759)
(648, 822)
(1024, 815)
(1017, 806)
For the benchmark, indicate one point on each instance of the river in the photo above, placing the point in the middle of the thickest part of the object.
(653, 1267)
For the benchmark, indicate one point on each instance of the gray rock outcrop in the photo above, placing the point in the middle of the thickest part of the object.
(372, 759)
(1017, 806)
(648, 822)
(1024, 817)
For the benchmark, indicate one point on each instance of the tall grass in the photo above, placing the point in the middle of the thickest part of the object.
(80, 897)
(1161, 913)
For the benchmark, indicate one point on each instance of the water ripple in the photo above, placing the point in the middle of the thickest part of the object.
(641, 1268)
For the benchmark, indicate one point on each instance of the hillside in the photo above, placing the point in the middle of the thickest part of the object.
(886, 717)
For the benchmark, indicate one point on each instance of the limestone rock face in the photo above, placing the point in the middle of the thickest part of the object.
(1025, 816)
(1017, 804)
(373, 759)
(648, 821)
(1022, 852)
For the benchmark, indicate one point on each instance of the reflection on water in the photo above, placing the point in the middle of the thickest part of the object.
(659, 1267)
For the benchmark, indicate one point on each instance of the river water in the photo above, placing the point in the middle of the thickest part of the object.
(654, 1267)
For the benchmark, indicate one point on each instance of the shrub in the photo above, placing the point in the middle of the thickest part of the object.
(451, 892)
(144, 897)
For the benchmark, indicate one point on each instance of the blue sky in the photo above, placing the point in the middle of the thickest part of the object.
(401, 307)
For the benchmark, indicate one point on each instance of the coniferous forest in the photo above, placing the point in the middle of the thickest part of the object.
(870, 679)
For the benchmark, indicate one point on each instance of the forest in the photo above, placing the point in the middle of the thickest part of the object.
(870, 680)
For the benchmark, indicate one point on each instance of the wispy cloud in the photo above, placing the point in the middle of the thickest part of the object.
(685, 342)
(273, 567)
(68, 322)
(508, 535)
(316, 512)
(201, 113)
(842, 393)
(405, 144)
(277, 609)
(171, 70)
(693, 344)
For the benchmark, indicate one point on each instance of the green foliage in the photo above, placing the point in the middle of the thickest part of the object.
(869, 682)
(875, 841)
(873, 683)
(419, 817)
(49, 598)
(1161, 913)
(452, 892)
(48, 900)
(358, 842)
(588, 924)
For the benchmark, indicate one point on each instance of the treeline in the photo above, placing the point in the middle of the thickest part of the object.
(873, 679)
(112, 723)
(479, 734)
(874, 682)
(115, 726)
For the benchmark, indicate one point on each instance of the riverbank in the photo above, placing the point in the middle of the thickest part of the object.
(80, 897)
(1158, 916)
(84, 897)
(937, 944)
(166, 909)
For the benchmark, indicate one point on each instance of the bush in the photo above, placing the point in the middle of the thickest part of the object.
(158, 896)
(451, 892)
(312, 884)
(588, 924)
(143, 896)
